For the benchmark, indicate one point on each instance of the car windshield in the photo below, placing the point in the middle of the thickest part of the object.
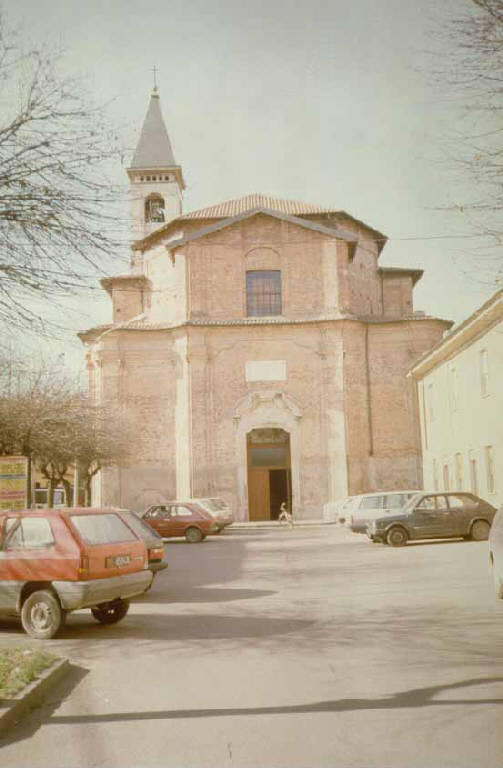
(208, 504)
(413, 501)
(219, 503)
(396, 501)
(371, 502)
(102, 529)
(139, 527)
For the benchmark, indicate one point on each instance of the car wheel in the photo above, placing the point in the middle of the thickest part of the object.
(111, 613)
(193, 535)
(396, 537)
(42, 615)
(480, 530)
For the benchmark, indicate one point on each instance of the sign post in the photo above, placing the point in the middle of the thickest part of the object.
(13, 482)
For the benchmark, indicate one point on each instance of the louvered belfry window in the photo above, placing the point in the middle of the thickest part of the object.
(263, 292)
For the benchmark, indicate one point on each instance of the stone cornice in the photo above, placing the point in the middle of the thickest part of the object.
(140, 324)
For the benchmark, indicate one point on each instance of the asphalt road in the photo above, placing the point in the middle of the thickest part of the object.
(304, 648)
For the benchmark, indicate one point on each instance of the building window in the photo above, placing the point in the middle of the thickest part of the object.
(459, 471)
(429, 402)
(473, 473)
(484, 372)
(489, 454)
(422, 389)
(446, 477)
(263, 293)
(154, 209)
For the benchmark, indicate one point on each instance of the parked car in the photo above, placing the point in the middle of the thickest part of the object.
(153, 540)
(435, 516)
(177, 518)
(361, 510)
(343, 508)
(496, 552)
(218, 509)
(59, 560)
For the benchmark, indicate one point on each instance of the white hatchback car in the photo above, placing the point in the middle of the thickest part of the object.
(362, 510)
(496, 552)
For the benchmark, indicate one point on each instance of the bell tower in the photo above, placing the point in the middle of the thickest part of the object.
(155, 180)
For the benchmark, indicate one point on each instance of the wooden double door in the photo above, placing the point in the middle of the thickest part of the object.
(269, 473)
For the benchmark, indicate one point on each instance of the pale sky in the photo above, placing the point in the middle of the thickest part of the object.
(324, 101)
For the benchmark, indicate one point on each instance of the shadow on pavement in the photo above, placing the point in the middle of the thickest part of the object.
(37, 717)
(152, 627)
(415, 698)
(432, 542)
(203, 595)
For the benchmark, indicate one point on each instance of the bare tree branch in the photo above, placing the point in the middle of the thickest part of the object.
(58, 219)
(470, 72)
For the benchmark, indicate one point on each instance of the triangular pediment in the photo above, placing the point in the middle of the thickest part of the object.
(336, 233)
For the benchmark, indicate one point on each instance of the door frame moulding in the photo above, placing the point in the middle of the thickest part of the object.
(266, 409)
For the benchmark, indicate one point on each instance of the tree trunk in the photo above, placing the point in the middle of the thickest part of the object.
(28, 482)
(87, 490)
(50, 494)
(68, 491)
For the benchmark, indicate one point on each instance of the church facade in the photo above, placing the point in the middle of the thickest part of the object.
(258, 350)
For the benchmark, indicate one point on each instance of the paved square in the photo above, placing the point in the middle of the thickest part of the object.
(304, 647)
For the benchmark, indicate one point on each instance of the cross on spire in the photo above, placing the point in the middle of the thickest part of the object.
(155, 71)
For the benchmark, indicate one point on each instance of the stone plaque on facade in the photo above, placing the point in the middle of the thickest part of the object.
(265, 370)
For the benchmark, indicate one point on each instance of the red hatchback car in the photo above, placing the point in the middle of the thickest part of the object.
(53, 561)
(181, 519)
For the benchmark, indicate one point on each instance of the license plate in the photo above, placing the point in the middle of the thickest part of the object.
(117, 561)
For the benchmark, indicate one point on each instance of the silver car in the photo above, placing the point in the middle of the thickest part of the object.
(367, 507)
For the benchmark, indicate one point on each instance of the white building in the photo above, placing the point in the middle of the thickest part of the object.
(460, 395)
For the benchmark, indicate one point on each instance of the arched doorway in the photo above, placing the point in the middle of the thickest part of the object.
(269, 472)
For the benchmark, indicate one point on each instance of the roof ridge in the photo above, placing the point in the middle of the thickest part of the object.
(236, 205)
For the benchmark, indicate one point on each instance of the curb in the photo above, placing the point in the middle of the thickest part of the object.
(274, 526)
(14, 709)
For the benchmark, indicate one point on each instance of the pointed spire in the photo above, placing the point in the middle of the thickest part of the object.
(154, 147)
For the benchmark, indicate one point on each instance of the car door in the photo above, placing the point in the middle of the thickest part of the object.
(28, 553)
(461, 513)
(183, 518)
(431, 518)
(157, 519)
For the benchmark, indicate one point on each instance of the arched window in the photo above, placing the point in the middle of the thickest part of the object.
(154, 209)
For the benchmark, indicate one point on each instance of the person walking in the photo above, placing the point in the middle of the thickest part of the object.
(284, 515)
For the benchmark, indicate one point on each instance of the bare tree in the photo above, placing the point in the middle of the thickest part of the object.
(470, 75)
(32, 400)
(45, 417)
(102, 440)
(56, 217)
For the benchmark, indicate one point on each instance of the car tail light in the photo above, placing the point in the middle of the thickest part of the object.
(156, 554)
(83, 570)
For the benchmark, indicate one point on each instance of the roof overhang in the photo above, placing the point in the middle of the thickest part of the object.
(133, 281)
(206, 214)
(478, 323)
(134, 173)
(415, 274)
(338, 234)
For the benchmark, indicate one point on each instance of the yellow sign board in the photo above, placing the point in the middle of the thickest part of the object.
(13, 482)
